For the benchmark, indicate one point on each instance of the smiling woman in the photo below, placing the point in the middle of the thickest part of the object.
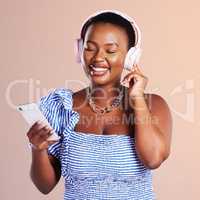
(112, 136)
(104, 52)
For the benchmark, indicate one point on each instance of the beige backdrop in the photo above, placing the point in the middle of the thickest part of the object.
(37, 54)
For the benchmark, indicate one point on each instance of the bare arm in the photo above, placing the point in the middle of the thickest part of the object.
(45, 171)
(153, 129)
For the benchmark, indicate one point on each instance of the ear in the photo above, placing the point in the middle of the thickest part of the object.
(78, 49)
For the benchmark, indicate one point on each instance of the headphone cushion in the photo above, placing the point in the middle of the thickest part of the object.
(132, 57)
(78, 47)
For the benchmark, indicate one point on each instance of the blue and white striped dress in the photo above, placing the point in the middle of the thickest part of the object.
(94, 167)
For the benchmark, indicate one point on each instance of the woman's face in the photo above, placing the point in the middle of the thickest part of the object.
(105, 47)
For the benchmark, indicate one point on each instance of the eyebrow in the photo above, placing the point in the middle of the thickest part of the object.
(106, 44)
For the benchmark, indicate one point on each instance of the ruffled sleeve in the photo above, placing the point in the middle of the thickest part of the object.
(56, 107)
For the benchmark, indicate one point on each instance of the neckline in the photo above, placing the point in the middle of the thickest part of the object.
(90, 134)
(93, 135)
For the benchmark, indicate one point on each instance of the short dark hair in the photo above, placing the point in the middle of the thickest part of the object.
(113, 18)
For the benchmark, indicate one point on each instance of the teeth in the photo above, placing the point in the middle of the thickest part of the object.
(99, 69)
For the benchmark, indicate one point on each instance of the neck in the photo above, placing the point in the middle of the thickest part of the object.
(104, 94)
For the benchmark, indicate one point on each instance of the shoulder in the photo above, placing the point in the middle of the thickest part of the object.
(156, 102)
(160, 112)
(57, 96)
(79, 93)
(79, 97)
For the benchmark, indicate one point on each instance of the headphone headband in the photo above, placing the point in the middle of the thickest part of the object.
(126, 17)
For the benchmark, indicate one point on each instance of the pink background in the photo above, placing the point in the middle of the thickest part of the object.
(37, 54)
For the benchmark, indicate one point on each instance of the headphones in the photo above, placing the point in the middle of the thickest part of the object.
(133, 55)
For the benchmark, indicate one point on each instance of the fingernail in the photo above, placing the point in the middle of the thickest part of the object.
(47, 127)
(39, 122)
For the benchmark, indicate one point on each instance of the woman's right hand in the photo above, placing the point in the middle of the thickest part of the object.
(38, 134)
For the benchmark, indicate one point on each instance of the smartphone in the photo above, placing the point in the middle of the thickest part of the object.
(31, 113)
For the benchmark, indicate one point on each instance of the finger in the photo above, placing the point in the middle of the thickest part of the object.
(140, 73)
(45, 131)
(40, 126)
(138, 69)
(136, 76)
(45, 142)
(52, 142)
(45, 134)
(131, 79)
(33, 127)
(42, 134)
(36, 128)
(133, 68)
(128, 75)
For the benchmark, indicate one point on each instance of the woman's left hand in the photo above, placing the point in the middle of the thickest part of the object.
(137, 82)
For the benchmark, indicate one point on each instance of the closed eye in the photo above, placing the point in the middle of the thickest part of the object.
(89, 49)
(111, 52)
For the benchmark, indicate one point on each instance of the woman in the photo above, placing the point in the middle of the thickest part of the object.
(112, 136)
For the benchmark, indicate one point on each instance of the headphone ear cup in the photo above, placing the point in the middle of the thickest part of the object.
(132, 57)
(79, 50)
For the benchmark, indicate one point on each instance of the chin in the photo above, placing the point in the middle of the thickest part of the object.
(99, 78)
(99, 82)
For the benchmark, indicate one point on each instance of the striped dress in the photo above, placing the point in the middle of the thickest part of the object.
(94, 167)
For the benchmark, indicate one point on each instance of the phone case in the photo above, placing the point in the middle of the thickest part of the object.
(31, 113)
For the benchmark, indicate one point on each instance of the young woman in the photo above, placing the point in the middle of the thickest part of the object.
(112, 135)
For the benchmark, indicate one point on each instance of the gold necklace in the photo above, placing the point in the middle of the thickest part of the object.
(102, 110)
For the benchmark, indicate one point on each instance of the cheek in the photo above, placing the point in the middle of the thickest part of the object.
(87, 57)
(116, 60)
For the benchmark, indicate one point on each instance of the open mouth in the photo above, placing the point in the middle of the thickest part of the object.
(97, 70)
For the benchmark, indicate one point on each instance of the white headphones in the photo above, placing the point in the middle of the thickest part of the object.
(133, 54)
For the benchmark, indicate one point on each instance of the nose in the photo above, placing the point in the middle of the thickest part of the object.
(99, 56)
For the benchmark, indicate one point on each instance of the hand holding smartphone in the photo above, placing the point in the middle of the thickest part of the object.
(32, 114)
